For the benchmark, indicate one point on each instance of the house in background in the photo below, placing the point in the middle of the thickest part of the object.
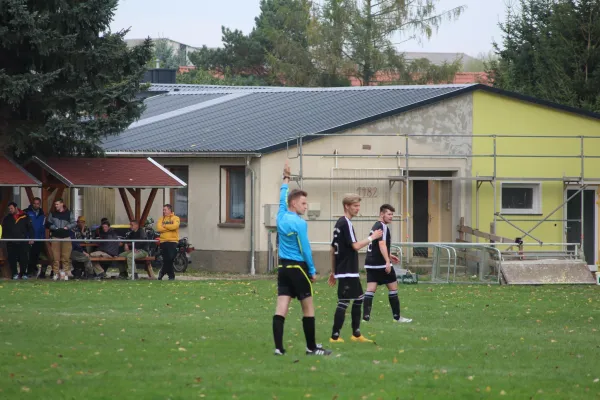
(230, 143)
(175, 45)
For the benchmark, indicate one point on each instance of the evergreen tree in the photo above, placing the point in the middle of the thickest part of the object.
(66, 82)
(551, 50)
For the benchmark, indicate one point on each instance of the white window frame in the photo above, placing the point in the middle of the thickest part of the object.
(537, 198)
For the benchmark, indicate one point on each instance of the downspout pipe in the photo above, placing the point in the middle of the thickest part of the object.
(252, 233)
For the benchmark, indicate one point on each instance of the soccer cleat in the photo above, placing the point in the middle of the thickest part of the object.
(318, 351)
(279, 352)
(403, 320)
(366, 318)
(361, 339)
(55, 277)
(338, 340)
(24, 277)
(15, 277)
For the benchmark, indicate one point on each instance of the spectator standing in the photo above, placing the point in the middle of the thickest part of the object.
(141, 248)
(17, 225)
(80, 253)
(108, 249)
(60, 222)
(168, 227)
(38, 220)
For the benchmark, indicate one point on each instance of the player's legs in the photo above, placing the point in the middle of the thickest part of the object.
(283, 304)
(395, 302)
(285, 293)
(308, 322)
(369, 295)
(338, 320)
(356, 308)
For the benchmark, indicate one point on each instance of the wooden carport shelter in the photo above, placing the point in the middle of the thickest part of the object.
(126, 174)
(13, 175)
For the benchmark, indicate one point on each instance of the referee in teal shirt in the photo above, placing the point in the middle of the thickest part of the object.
(296, 271)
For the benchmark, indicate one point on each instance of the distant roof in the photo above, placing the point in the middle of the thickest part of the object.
(438, 58)
(109, 172)
(12, 174)
(203, 119)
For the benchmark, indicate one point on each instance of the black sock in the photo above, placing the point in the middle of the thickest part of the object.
(338, 318)
(356, 308)
(309, 332)
(395, 304)
(278, 321)
(368, 304)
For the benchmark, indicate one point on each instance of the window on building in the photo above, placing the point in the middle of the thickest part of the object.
(233, 195)
(179, 197)
(521, 198)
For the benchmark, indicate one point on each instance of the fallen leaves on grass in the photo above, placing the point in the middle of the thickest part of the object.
(182, 349)
(25, 389)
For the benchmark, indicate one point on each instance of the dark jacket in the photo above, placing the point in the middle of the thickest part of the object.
(110, 248)
(17, 226)
(38, 220)
(58, 221)
(139, 235)
(78, 234)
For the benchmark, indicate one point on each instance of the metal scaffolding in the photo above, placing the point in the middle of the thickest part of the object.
(581, 182)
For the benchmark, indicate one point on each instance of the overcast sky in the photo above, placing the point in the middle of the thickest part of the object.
(198, 22)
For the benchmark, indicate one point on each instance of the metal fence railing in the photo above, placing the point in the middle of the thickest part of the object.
(85, 241)
(450, 262)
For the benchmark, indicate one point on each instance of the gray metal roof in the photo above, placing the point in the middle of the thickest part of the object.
(157, 105)
(199, 119)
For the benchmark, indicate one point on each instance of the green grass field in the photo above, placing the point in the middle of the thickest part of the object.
(212, 339)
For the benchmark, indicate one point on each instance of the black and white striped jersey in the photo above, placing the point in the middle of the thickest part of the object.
(374, 258)
(346, 258)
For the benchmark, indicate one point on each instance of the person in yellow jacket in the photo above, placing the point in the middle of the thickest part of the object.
(168, 227)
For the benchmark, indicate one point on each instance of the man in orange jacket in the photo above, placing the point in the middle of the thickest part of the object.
(168, 227)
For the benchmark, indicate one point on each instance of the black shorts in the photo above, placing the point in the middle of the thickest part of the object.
(381, 277)
(293, 281)
(349, 289)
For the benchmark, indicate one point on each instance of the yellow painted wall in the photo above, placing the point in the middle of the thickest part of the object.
(500, 115)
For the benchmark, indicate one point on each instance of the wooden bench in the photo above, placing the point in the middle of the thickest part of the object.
(146, 260)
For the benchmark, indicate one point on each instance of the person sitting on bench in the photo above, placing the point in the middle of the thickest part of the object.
(108, 249)
(141, 248)
(79, 252)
